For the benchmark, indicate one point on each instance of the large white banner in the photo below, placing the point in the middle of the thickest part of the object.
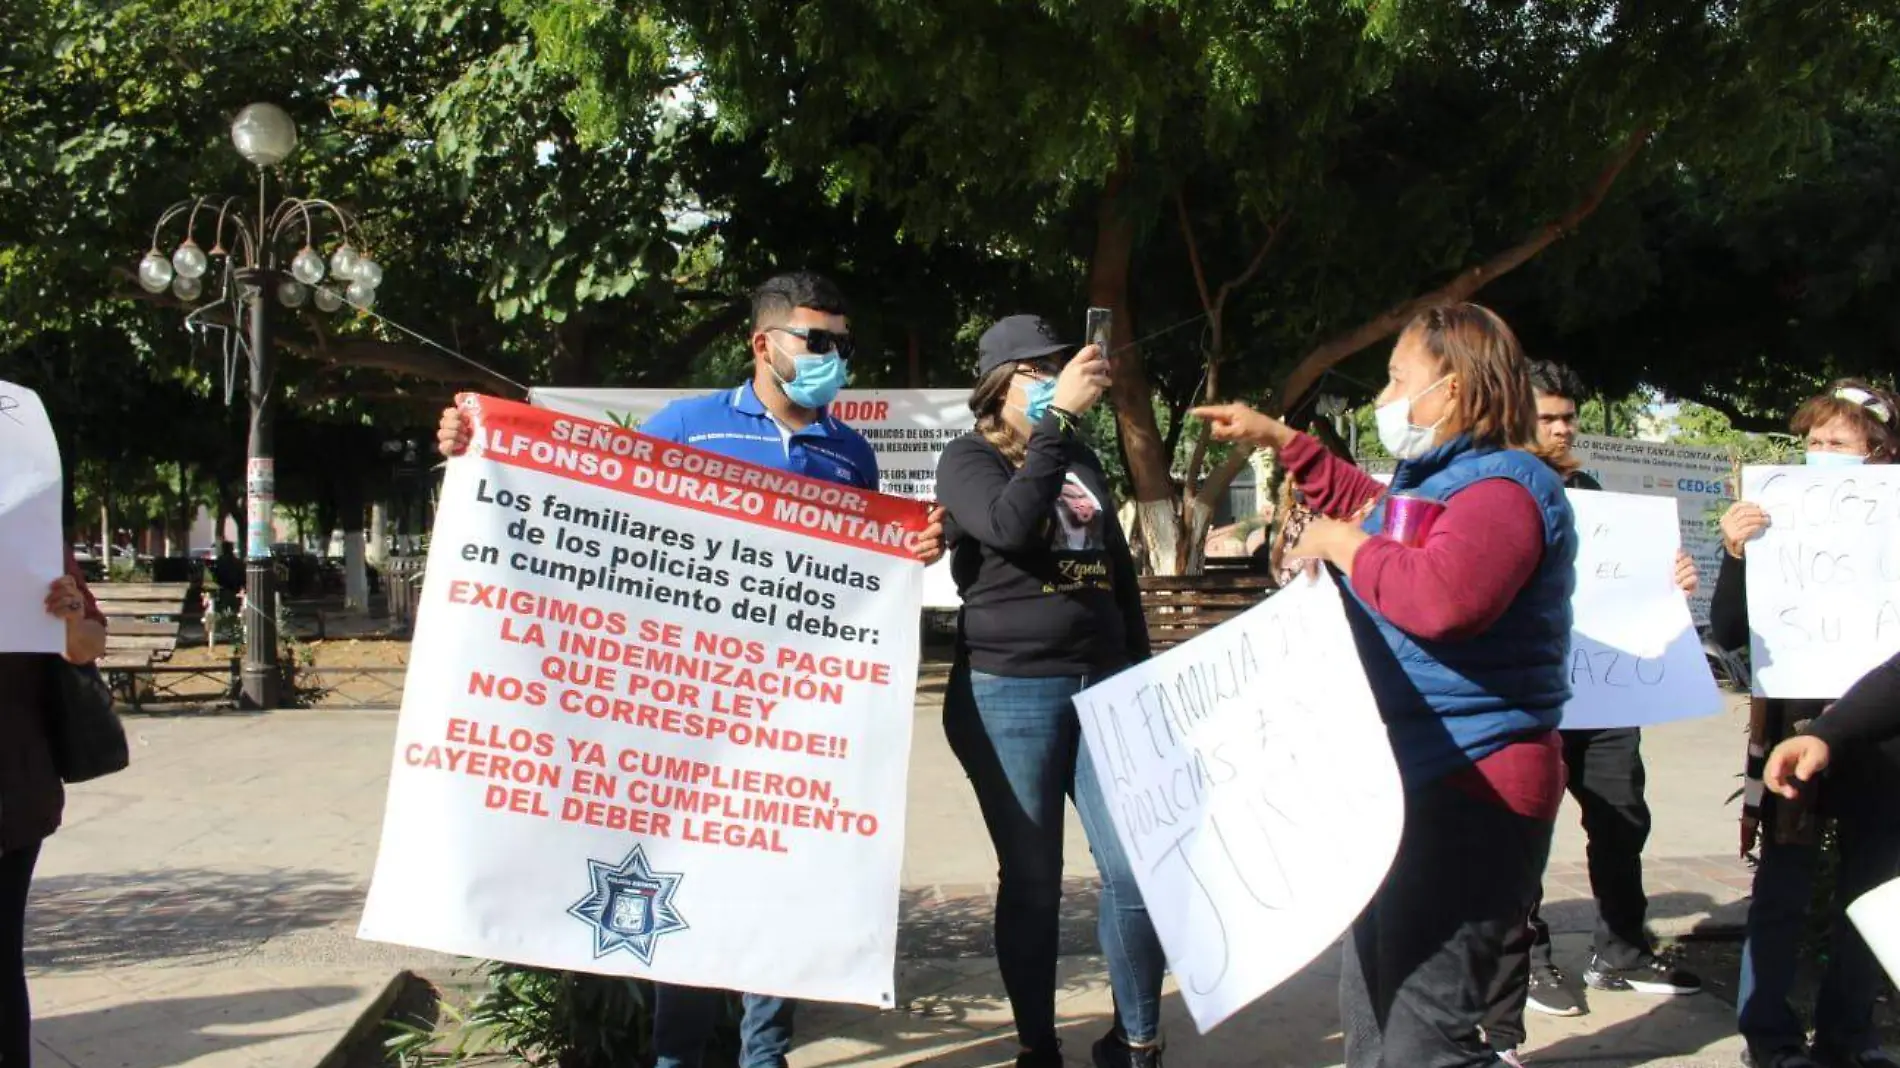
(30, 526)
(1824, 578)
(1254, 790)
(1635, 658)
(657, 717)
(907, 428)
(1876, 914)
(1700, 480)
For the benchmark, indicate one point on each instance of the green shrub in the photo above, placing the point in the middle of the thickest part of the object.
(552, 1019)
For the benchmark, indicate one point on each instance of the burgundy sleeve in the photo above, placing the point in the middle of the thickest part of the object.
(1333, 487)
(1481, 552)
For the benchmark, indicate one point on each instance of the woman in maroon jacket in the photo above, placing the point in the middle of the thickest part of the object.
(31, 798)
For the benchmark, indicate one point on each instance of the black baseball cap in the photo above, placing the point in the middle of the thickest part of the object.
(1018, 339)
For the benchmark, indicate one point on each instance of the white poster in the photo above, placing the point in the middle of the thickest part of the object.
(1876, 914)
(1635, 658)
(1824, 578)
(1700, 480)
(1254, 789)
(907, 428)
(30, 525)
(657, 717)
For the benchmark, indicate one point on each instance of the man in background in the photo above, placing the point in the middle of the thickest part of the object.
(1606, 777)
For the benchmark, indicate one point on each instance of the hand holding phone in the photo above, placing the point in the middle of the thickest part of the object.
(1082, 382)
(1097, 327)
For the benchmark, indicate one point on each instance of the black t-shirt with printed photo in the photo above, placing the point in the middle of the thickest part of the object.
(1047, 582)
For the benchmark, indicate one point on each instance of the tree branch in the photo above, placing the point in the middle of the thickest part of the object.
(1740, 420)
(1259, 258)
(1193, 250)
(1306, 374)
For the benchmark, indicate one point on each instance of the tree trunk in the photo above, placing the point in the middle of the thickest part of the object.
(356, 563)
(1131, 393)
(572, 364)
(378, 548)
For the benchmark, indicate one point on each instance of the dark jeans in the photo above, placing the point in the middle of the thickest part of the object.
(1777, 924)
(1606, 776)
(1020, 742)
(684, 1018)
(16, 874)
(1422, 959)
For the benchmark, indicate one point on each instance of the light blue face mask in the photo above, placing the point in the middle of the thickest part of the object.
(817, 380)
(1818, 458)
(1036, 399)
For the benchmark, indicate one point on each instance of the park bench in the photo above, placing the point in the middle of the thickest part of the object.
(1180, 607)
(142, 624)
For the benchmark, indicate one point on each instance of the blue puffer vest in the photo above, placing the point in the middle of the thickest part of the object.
(1449, 703)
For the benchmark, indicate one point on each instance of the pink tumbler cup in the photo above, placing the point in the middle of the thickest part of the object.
(1409, 518)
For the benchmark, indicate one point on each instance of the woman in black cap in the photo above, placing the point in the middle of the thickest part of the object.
(1050, 606)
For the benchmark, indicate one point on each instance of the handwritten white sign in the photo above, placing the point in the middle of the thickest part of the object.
(30, 527)
(1876, 914)
(1254, 790)
(1824, 578)
(1635, 658)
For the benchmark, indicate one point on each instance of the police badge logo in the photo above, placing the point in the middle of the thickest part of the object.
(630, 906)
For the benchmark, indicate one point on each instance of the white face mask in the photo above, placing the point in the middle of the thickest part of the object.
(1401, 438)
(1822, 458)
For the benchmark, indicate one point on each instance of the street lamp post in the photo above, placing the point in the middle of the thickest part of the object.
(253, 273)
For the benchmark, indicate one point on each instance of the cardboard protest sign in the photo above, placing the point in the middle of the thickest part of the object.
(30, 525)
(1254, 790)
(907, 428)
(1824, 578)
(657, 717)
(1876, 914)
(1635, 658)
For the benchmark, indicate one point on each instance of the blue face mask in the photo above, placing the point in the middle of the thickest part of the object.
(1037, 397)
(1818, 458)
(816, 382)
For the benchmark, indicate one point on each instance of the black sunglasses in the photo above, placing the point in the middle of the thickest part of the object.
(819, 341)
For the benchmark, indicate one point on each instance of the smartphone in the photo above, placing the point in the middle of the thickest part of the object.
(1095, 330)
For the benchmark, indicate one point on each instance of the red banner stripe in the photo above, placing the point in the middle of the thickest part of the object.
(626, 461)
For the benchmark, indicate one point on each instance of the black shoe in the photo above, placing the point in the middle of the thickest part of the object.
(1551, 994)
(1040, 1058)
(1871, 1057)
(1113, 1051)
(1652, 976)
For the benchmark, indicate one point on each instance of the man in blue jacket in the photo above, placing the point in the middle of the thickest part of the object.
(801, 347)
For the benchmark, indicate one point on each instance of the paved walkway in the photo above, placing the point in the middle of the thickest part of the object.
(200, 910)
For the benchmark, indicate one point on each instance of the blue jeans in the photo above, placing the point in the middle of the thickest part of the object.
(1777, 922)
(1020, 742)
(684, 1018)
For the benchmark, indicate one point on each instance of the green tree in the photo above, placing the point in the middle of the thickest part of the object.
(1339, 165)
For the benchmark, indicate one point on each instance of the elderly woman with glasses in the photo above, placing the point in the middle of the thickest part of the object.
(1849, 424)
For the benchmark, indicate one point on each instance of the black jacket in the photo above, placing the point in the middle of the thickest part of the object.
(1047, 581)
(1867, 713)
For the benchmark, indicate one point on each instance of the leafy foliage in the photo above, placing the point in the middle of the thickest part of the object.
(540, 1017)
